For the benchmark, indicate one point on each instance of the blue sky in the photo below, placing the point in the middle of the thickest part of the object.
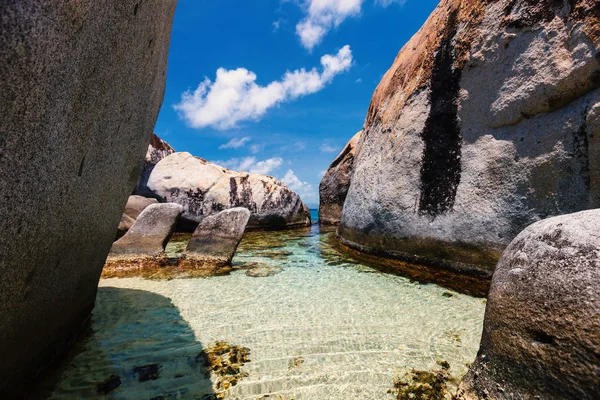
(279, 86)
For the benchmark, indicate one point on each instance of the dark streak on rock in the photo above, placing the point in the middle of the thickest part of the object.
(441, 167)
(581, 153)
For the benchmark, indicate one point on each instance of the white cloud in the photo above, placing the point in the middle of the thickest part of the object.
(235, 96)
(326, 148)
(256, 148)
(321, 174)
(306, 191)
(235, 143)
(249, 164)
(324, 15)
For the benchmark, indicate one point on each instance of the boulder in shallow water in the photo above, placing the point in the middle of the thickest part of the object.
(215, 240)
(541, 335)
(487, 121)
(145, 242)
(204, 189)
(335, 184)
(81, 85)
(135, 205)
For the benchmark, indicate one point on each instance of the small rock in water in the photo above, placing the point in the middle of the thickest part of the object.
(263, 271)
(109, 385)
(447, 294)
(148, 372)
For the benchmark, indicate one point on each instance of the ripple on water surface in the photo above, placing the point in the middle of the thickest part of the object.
(321, 327)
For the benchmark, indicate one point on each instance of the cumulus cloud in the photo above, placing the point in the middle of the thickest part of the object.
(249, 164)
(306, 191)
(326, 148)
(235, 143)
(256, 148)
(235, 96)
(324, 15)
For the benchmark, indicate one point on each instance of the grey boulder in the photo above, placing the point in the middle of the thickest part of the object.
(81, 85)
(335, 184)
(487, 121)
(216, 239)
(147, 238)
(204, 188)
(541, 334)
(135, 205)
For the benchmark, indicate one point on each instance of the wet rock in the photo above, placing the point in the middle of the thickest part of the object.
(541, 334)
(150, 372)
(135, 205)
(157, 150)
(81, 85)
(225, 362)
(215, 240)
(461, 150)
(423, 385)
(109, 385)
(335, 184)
(204, 189)
(144, 244)
(263, 271)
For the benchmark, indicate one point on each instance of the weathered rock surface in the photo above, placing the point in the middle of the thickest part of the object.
(335, 184)
(81, 84)
(215, 240)
(149, 234)
(541, 335)
(157, 150)
(135, 205)
(488, 121)
(203, 189)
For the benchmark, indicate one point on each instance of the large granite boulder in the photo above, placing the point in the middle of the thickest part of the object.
(81, 84)
(135, 205)
(145, 242)
(488, 121)
(541, 335)
(335, 184)
(215, 240)
(157, 150)
(203, 189)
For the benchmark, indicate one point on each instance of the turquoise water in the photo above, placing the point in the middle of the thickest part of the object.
(322, 327)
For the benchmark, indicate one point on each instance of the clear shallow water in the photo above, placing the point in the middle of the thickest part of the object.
(326, 327)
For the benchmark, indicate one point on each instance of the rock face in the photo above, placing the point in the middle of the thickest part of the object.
(203, 189)
(488, 121)
(135, 205)
(335, 184)
(81, 85)
(541, 335)
(157, 150)
(215, 240)
(149, 234)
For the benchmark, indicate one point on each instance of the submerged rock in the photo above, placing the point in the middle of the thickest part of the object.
(423, 385)
(81, 84)
(157, 150)
(144, 244)
(225, 362)
(135, 205)
(335, 184)
(215, 240)
(262, 271)
(203, 189)
(488, 120)
(541, 334)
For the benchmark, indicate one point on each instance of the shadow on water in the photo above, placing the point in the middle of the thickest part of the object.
(139, 347)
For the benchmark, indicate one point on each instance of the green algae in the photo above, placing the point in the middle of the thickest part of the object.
(424, 385)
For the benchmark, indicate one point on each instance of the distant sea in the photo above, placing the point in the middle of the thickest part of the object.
(314, 215)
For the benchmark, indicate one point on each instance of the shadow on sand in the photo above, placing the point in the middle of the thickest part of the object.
(139, 347)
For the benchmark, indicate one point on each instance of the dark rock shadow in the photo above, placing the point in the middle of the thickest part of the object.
(139, 346)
